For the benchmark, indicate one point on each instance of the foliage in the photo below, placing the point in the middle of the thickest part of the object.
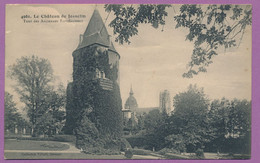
(176, 142)
(152, 120)
(137, 140)
(107, 113)
(197, 125)
(34, 77)
(190, 121)
(86, 134)
(129, 154)
(12, 117)
(231, 121)
(87, 98)
(200, 154)
(125, 144)
(210, 27)
(128, 17)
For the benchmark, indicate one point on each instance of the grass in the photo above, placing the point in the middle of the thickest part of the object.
(12, 144)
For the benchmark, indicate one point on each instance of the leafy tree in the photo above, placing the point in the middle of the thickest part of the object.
(12, 117)
(155, 129)
(53, 119)
(239, 123)
(176, 142)
(231, 123)
(219, 117)
(140, 123)
(34, 76)
(189, 122)
(152, 120)
(210, 27)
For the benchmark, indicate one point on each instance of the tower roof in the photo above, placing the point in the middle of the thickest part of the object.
(131, 102)
(96, 33)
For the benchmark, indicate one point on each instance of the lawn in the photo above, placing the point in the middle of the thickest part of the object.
(13, 144)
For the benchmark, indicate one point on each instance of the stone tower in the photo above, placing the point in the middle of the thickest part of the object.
(95, 91)
(165, 102)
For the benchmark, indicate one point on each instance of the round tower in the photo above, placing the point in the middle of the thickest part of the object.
(95, 87)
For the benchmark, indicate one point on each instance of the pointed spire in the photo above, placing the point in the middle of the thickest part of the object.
(96, 33)
(95, 25)
(131, 91)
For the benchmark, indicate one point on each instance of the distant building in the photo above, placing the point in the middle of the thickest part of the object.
(165, 104)
(131, 107)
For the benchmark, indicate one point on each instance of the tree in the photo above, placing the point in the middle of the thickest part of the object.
(239, 123)
(33, 76)
(219, 117)
(189, 123)
(231, 123)
(152, 120)
(210, 27)
(53, 119)
(12, 117)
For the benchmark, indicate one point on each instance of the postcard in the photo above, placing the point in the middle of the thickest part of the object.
(128, 81)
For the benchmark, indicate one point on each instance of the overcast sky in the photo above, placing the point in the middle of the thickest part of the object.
(153, 62)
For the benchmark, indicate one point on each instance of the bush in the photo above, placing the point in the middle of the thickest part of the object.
(199, 153)
(129, 154)
(136, 141)
(86, 133)
(125, 145)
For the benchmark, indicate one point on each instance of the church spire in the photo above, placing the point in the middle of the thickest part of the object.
(131, 91)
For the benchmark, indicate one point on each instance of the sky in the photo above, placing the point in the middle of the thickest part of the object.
(153, 62)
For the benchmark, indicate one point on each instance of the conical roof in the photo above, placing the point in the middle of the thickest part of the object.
(96, 33)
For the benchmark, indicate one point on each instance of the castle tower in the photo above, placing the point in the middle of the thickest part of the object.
(94, 91)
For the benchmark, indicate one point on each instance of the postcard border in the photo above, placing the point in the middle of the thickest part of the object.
(255, 156)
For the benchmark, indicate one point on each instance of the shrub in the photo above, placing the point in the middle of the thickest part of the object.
(129, 154)
(199, 153)
(86, 133)
(125, 145)
(136, 141)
